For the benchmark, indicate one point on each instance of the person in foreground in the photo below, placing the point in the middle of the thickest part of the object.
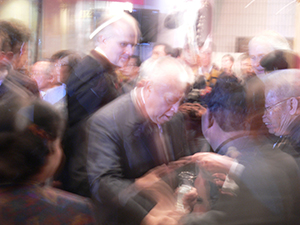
(258, 183)
(30, 154)
(130, 142)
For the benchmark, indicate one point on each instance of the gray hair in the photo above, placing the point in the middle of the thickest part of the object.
(270, 38)
(164, 68)
(109, 20)
(285, 83)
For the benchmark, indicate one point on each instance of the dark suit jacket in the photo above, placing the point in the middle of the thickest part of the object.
(121, 148)
(267, 188)
(90, 86)
(16, 80)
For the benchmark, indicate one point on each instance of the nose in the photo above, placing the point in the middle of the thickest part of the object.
(129, 49)
(265, 115)
(255, 62)
(175, 107)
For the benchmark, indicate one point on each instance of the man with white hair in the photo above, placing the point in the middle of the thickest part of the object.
(92, 85)
(262, 44)
(282, 111)
(130, 136)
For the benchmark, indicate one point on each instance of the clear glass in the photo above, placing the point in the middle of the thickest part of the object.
(186, 179)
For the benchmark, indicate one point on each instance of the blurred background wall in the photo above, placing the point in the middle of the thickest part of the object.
(66, 24)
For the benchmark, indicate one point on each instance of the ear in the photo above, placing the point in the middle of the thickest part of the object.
(207, 120)
(148, 87)
(102, 39)
(210, 119)
(292, 105)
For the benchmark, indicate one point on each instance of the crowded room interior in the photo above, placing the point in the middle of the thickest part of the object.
(150, 112)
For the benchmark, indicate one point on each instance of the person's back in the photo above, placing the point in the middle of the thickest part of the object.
(33, 203)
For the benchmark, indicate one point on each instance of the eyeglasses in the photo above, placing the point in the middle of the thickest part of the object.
(269, 108)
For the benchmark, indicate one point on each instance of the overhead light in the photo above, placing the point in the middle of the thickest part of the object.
(249, 4)
(285, 6)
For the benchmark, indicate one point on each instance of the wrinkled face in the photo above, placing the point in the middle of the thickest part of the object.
(162, 101)
(276, 116)
(119, 46)
(256, 53)
(158, 51)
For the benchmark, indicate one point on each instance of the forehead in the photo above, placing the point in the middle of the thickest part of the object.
(272, 96)
(123, 30)
(40, 66)
(64, 60)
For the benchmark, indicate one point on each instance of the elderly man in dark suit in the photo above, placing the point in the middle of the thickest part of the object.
(131, 136)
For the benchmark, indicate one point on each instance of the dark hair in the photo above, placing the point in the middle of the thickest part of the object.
(168, 48)
(73, 59)
(24, 144)
(227, 103)
(16, 33)
(238, 106)
(138, 61)
(176, 52)
(229, 56)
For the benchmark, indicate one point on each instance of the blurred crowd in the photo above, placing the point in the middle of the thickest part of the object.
(104, 138)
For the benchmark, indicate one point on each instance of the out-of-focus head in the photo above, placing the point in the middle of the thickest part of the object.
(261, 45)
(64, 61)
(227, 62)
(29, 140)
(14, 36)
(41, 72)
(282, 100)
(245, 65)
(131, 69)
(165, 81)
(161, 49)
(117, 36)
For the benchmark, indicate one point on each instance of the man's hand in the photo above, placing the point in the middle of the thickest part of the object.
(212, 162)
(218, 179)
(189, 200)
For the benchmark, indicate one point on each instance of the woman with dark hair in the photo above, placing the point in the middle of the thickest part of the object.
(30, 153)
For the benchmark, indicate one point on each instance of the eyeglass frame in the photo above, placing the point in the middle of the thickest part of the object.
(268, 109)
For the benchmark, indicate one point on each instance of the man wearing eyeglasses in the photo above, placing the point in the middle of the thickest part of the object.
(282, 112)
